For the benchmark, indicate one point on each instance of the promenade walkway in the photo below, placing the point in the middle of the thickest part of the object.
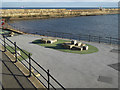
(11, 76)
(75, 70)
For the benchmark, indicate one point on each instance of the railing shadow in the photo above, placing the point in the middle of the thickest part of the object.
(10, 70)
(30, 66)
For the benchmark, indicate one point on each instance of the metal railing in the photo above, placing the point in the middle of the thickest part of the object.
(45, 78)
(85, 37)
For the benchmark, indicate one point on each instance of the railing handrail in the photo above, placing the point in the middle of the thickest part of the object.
(32, 65)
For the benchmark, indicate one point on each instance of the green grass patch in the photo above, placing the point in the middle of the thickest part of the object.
(57, 46)
(22, 53)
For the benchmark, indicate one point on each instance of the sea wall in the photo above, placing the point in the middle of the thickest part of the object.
(52, 13)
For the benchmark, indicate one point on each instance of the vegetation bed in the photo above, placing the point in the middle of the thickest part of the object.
(58, 46)
(10, 48)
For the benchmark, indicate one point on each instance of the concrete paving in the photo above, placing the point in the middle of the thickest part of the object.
(75, 70)
(11, 76)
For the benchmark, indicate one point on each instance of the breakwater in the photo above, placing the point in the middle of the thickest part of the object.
(52, 13)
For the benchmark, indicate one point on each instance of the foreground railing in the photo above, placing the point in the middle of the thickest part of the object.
(46, 79)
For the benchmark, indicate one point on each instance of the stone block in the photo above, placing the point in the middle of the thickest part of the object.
(74, 42)
(48, 40)
(85, 47)
(83, 44)
(78, 44)
(51, 41)
(18, 53)
(77, 48)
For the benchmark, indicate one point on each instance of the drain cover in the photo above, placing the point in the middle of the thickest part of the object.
(105, 79)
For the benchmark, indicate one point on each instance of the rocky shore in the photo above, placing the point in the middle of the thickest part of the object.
(52, 13)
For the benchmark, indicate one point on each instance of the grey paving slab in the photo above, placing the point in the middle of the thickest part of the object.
(12, 77)
(75, 70)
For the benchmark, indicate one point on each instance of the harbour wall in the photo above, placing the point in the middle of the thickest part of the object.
(52, 13)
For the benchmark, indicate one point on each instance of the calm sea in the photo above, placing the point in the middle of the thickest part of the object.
(56, 7)
(103, 25)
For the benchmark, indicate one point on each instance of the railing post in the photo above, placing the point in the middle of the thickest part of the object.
(47, 33)
(70, 36)
(29, 65)
(110, 40)
(79, 37)
(99, 39)
(118, 41)
(55, 34)
(4, 44)
(15, 52)
(48, 74)
(62, 35)
(89, 37)
(35, 32)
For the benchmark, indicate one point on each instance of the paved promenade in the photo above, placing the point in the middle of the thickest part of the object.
(75, 70)
(11, 76)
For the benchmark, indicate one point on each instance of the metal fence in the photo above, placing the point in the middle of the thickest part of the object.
(45, 78)
(85, 37)
(89, 38)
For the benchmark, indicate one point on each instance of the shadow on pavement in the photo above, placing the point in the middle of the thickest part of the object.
(12, 77)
